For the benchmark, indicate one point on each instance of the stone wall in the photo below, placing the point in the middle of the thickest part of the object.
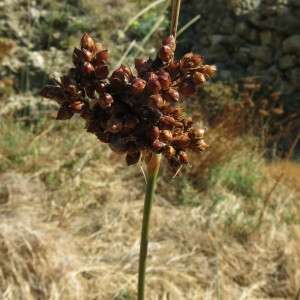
(247, 37)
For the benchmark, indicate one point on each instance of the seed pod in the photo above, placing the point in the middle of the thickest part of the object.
(131, 147)
(93, 126)
(76, 56)
(142, 66)
(155, 101)
(90, 91)
(157, 146)
(171, 95)
(190, 61)
(86, 55)
(208, 71)
(117, 144)
(64, 113)
(168, 151)
(165, 53)
(101, 87)
(132, 158)
(152, 86)
(97, 47)
(77, 106)
(136, 86)
(198, 146)
(174, 69)
(87, 42)
(164, 79)
(106, 100)
(166, 122)
(69, 84)
(127, 72)
(199, 78)
(152, 132)
(114, 124)
(87, 69)
(150, 76)
(187, 88)
(183, 157)
(196, 133)
(182, 141)
(154, 115)
(101, 57)
(165, 136)
(104, 136)
(170, 41)
(188, 123)
(101, 72)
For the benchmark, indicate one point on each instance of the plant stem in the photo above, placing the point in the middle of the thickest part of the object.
(152, 171)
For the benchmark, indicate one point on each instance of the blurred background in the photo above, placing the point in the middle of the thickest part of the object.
(227, 228)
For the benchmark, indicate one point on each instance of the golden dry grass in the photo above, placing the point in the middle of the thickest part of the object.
(54, 248)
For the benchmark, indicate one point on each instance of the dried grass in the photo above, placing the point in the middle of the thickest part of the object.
(93, 254)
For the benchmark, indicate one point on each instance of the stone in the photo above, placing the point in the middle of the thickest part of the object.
(295, 78)
(292, 44)
(286, 62)
(266, 37)
(288, 24)
(262, 53)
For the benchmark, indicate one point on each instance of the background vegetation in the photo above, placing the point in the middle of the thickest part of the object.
(71, 211)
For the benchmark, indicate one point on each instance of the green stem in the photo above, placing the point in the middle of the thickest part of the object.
(152, 171)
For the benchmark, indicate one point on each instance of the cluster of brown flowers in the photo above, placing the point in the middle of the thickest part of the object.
(134, 112)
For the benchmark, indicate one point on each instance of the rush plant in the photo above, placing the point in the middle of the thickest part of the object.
(137, 113)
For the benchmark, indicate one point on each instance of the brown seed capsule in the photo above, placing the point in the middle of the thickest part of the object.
(64, 113)
(90, 91)
(77, 106)
(97, 47)
(86, 55)
(87, 42)
(117, 144)
(199, 78)
(188, 123)
(76, 56)
(131, 147)
(168, 151)
(198, 146)
(132, 158)
(166, 122)
(190, 61)
(101, 57)
(196, 133)
(170, 41)
(69, 84)
(174, 69)
(208, 71)
(93, 126)
(106, 100)
(165, 136)
(101, 87)
(171, 95)
(101, 72)
(157, 146)
(136, 86)
(187, 88)
(142, 66)
(87, 69)
(164, 79)
(155, 101)
(182, 141)
(104, 136)
(114, 125)
(152, 86)
(183, 157)
(165, 53)
(152, 132)
(150, 76)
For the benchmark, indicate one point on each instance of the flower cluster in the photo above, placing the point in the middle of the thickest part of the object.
(131, 112)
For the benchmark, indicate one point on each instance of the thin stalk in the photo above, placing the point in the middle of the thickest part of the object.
(175, 16)
(152, 171)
